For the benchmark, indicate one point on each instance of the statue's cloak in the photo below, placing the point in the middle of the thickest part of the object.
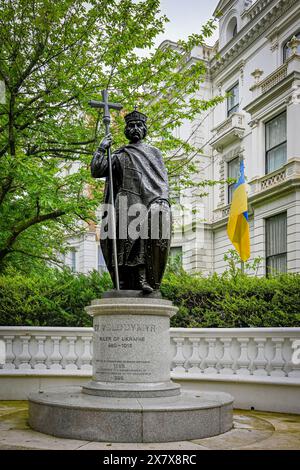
(139, 174)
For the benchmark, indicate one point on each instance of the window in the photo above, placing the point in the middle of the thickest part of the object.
(235, 31)
(233, 100)
(287, 52)
(73, 260)
(232, 29)
(175, 197)
(233, 170)
(176, 254)
(276, 143)
(101, 262)
(276, 244)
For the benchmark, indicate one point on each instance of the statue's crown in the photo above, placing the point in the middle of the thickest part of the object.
(135, 116)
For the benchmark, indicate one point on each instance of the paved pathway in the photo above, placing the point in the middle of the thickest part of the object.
(252, 430)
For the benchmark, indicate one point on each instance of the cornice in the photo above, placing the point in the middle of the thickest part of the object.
(250, 32)
(222, 6)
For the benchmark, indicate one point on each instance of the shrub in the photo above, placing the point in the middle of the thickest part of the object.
(58, 297)
(50, 298)
(242, 301)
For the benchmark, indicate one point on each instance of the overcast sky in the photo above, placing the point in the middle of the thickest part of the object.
(186, 17)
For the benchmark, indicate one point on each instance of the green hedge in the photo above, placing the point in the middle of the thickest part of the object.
(50, 298)
(242, 301)
(58, 298)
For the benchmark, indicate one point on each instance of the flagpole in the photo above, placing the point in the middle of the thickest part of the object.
(242, 267)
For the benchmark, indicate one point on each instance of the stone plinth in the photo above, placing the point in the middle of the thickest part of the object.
(72, 414)
(131, 355)
(131, 397)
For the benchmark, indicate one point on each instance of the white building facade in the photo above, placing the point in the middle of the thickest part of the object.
(256, 62)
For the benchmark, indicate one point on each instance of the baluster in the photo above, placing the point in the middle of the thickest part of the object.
(277, 363)
(294, 364)
(86, 357)
(9, 353)
(179, 359)
(210, 362)
(260, 363)
(71, 356)
(55, 358)
(194, 360)
(25, 356)
(243, 362)
(226, 362)
(40, 357)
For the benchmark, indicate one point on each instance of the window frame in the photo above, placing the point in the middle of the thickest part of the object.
(101, 268)
(284, 142)
(283, 253)
(284, 57)
(179, 254)
(74, 260)
(235, 30)
(229, 186)
(235, 108)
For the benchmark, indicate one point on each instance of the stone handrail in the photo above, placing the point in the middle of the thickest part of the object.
(240, 353)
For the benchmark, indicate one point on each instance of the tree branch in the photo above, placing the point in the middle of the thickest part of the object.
(24, 226)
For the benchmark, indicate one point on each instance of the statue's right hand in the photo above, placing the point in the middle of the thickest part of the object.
(106, 142)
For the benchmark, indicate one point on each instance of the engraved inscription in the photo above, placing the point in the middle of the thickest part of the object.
(129, 350)
(114, 369)
(128, 327)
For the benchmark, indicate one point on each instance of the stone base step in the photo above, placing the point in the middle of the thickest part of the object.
(69, 413)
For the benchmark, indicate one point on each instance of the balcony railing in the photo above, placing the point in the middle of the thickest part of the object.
(233, 128)
(290, 171)
(277, 77)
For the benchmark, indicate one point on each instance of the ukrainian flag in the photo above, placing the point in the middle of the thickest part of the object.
(238, 225)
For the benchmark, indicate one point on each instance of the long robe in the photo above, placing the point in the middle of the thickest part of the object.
(139, 174)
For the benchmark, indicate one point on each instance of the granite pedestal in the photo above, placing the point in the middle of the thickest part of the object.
(131, 397)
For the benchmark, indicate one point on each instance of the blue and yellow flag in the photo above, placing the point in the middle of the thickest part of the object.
(238, 225)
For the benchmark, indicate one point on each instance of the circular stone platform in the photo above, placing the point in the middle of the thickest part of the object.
(76, 415)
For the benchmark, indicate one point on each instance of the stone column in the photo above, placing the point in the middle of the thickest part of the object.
(131, 355)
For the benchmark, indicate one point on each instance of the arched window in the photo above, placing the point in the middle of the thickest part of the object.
(232, 28)
(287, 52)
(234, 32)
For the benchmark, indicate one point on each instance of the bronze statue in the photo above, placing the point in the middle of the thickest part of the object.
(141, 203)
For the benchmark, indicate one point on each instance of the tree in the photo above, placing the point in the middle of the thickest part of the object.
(54, 57)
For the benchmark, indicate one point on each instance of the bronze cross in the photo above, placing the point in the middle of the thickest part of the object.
(106, 105)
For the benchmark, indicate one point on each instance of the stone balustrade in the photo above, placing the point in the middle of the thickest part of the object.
(291, 66)
(255, 365)
(47, 351)
(239, 352)
(254, 353)
(284, 175)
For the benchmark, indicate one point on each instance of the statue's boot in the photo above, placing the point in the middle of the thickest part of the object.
(143, 284)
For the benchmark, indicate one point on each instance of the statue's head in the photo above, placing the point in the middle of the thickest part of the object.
(136, 127)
